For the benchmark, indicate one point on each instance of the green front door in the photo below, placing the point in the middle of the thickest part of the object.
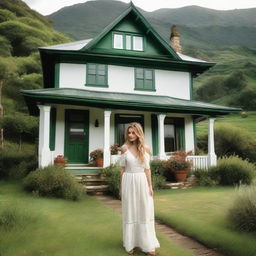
(76, 135)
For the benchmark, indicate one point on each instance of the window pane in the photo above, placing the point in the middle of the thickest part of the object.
(101, 72)
(139, 84)
(138, 43)
(148, 74)
(128, 40)
(148, 84)
(91, 68)
(101, 80)
(118, 41)
(139, 73)
(91, 79)
(101, 67)
(169, 137)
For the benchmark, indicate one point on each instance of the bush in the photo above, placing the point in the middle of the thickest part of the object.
(230, 140)
(15, 163)
(112, 174)
(233, 170)
(242, 214)
(53, 181)
(204, 178)
(158, 168)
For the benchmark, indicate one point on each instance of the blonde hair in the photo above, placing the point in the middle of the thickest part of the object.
(140, 140)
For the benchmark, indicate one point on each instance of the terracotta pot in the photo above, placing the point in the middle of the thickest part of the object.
(99, 162)
(60, 162)
(181, 175)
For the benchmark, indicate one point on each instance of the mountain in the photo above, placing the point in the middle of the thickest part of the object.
(200, 27)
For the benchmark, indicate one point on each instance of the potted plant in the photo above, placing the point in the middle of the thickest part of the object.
(97, 157)
(60, 160)
(114, 150)
(179, 164)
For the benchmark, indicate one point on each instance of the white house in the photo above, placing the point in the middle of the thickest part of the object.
(93, 88)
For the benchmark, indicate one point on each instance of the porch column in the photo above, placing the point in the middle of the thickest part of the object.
(161, 148)
(106, 150)
(44, 157)
(212, 158)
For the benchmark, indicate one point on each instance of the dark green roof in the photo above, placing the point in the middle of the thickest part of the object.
(116, 100)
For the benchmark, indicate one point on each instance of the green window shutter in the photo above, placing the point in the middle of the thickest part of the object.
(52, 129)
(96, 75)
(180, 133)
(144, 79)
(154, 127)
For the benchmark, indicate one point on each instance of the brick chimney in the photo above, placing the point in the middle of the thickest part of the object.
(175, 39)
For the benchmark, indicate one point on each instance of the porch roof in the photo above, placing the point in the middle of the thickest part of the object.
(117, 100)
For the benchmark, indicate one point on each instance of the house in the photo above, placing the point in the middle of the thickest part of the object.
(93, 88)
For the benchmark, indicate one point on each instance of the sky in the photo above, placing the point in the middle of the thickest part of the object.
(46, 7)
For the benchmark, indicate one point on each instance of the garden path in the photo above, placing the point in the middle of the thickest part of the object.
(190, 244)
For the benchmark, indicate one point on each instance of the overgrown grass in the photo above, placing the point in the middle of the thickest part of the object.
(64, 228)
(202, 214)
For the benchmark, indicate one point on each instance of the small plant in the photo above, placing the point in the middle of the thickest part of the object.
(114, 149)
(244, 114)
(179, 162)
(203, 178)
(242, 214)
(60, 160)
(97, 153)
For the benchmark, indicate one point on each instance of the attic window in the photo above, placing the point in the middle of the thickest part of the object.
(128, 42)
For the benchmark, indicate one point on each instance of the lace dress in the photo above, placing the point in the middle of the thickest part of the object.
(137, 205)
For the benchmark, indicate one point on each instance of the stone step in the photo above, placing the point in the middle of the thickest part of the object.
(96, 188)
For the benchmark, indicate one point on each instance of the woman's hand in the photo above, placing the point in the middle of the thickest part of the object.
(151, 192)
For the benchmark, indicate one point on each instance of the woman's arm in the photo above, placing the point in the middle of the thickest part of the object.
(148, 174)
(123, 149)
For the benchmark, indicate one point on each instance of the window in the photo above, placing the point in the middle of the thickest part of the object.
(174, 136)
(121, 123)
(128, 42)
(144, 79)
(96, 75)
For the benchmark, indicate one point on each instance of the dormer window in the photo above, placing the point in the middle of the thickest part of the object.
(128, 42)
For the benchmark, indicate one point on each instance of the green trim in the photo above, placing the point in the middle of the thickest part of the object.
(52, 129)
(84, 171)
(191, 86)
(132, 35)
(57, 75)
(97, 75)
(145, 23)
(144, 79)
(194, 133)
(154, 129)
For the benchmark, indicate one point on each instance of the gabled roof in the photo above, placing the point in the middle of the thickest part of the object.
(116, 100)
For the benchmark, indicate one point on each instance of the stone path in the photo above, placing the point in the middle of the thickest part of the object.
(196, 248)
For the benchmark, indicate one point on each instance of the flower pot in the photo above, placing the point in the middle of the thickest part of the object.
(99, 162)
(60, 162)
(181, 175)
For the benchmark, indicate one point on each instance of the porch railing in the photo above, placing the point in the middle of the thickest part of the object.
(199, 162)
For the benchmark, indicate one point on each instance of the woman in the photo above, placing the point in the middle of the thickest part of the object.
(137, 193)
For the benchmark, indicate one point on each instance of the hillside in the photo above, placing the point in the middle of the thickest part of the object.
(225, 37)
(22, 31)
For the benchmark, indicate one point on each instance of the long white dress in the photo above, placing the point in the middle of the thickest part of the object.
(137, 205)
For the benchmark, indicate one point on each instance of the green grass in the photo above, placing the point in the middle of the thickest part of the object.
(201, 214)
(62, 228)
(248, 123)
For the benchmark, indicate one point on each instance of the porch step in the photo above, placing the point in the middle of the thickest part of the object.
(190, 182)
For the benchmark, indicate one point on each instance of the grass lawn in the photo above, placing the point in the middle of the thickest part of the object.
(201, 214)
(58, 227)
(248, 123)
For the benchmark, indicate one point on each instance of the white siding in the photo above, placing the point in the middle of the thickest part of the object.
(121, 79)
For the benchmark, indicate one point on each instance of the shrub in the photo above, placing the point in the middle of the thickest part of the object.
(230, 140)
(112, 174)
(53, 181)
(204, 178)
(233, 170)
(16, 163)
(158, 182)
(242, 214)
(14, 216)
(159, 173)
